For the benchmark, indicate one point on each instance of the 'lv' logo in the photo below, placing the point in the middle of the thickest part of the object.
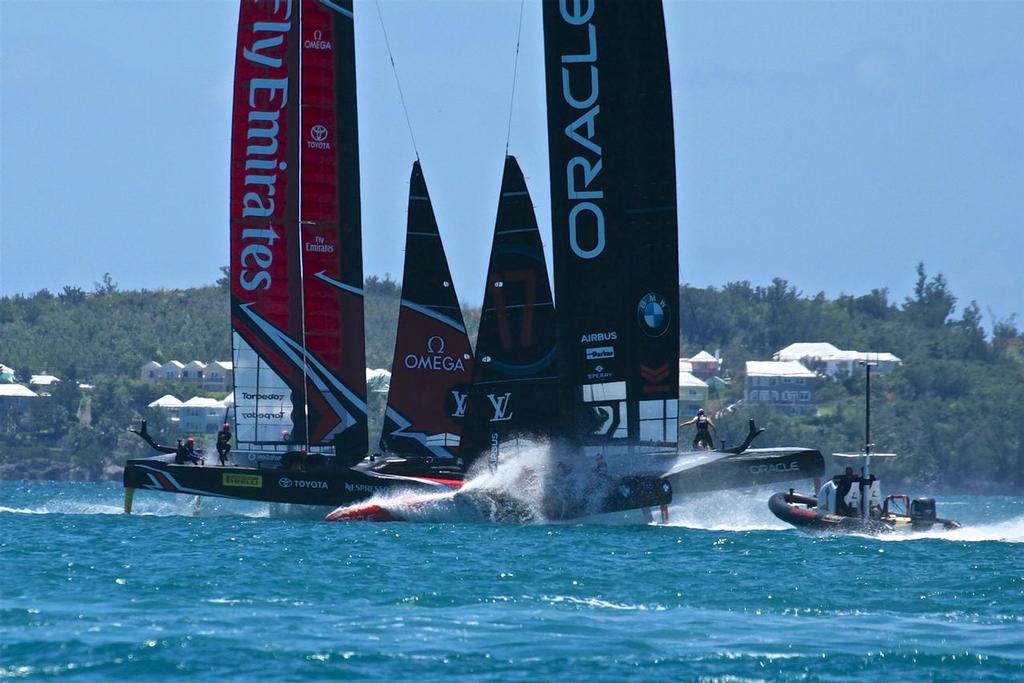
(500, 404)
(460, 403)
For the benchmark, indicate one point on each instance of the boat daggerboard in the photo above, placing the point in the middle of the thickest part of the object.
(613, 213)
(433, 362)
(296, 251)
(515, 374)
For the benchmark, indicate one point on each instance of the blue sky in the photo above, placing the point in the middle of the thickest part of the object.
(832, 144)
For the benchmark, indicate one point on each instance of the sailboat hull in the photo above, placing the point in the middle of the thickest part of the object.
(330, 486)
(623, 500)
(753, 467)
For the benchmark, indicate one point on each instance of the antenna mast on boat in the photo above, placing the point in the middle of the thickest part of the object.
(867, 415)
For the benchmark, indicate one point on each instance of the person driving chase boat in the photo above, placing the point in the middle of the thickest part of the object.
(702, 441)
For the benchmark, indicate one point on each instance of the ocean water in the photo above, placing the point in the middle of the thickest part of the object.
(725, 592)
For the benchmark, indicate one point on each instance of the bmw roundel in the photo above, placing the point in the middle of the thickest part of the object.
(654, 314)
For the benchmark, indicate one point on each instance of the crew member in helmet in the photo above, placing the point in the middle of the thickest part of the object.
(702, 441)
(186, 452)
(190, 446)
(224, 444)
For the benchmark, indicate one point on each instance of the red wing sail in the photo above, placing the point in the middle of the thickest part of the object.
(296, 262)
(515, 374)
(433, 363)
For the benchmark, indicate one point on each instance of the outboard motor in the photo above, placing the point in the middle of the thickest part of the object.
(922, 512)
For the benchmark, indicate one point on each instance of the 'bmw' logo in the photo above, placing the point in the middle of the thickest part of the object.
(653, 314)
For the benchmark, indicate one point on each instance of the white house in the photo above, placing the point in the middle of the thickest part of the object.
(786, 385)
(837, 361)
(16, 396)
(193, 371)
(378, 380)
(171, 369)
(43, 380)
(166, 401)
(693, 393)
(150, 371)
(202, 415)
(217, 376)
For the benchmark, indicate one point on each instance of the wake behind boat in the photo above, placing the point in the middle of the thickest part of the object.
(530, 489)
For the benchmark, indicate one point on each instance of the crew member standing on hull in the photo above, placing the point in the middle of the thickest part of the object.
(224, 444)
(702, 441)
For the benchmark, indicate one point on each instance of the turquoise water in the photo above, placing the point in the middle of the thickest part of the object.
(90, 594)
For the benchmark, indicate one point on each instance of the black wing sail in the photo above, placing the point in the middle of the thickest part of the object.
(515, 374)
(433, 363)
(614, 227)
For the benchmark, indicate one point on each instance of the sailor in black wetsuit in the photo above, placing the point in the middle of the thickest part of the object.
(224, 444)
(702, 441)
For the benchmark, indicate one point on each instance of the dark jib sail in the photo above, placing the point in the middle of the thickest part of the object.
(515, 375)
(296, 252)
(613, 214)
(432, 365)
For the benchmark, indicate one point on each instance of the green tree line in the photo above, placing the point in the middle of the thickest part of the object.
(954, 410)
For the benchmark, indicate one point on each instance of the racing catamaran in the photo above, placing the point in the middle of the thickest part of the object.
(616, 273)
(296, 283)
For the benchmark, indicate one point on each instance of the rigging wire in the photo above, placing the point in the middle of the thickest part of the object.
(515, 73)
(394, 70)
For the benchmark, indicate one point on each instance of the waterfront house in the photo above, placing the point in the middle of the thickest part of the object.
(693, 394)
(150, 371)
(836, 362)
(171, 370)
(193, 371)
(785, 385)
(217, 376)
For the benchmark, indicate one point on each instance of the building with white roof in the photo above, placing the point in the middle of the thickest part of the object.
(43, 380)
(378, 380)
(6, 373)
(166, 401)
(704, 365)
(193, 371)
(786, 385)
(217, 376)
(150, 371)
(693, 393)
(15, 397)
(213, 376)
(171, 370)
(199, 415)
(836, 361)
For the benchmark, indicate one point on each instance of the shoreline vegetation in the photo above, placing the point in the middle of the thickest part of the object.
(954, 410)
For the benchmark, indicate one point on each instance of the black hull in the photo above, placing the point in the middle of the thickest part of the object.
(332, 486)
(754, 467)
(792, 509)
